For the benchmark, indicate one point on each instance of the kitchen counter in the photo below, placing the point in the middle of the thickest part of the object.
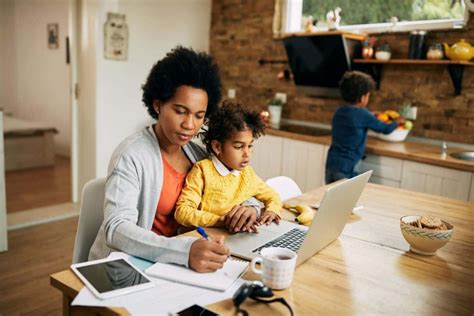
(408, 150)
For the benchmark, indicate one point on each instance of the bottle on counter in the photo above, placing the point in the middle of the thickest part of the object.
(444, 150)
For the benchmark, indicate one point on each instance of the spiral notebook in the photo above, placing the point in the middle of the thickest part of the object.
(219, 280)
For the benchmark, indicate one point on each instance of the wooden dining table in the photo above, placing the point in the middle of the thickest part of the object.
(368, 269)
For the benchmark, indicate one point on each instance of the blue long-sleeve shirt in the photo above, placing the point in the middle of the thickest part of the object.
(349, 137)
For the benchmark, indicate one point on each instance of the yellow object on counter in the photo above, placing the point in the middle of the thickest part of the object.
(306, 214)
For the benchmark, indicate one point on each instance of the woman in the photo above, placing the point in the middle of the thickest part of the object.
(147, 170)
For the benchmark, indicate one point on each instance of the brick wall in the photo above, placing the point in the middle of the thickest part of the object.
(241, 34)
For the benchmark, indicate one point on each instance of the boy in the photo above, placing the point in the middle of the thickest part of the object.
(350, 124)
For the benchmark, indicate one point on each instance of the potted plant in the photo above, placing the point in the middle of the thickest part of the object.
(274, 108)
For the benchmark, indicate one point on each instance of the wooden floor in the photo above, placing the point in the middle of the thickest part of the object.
(34, 253)
(38, 187)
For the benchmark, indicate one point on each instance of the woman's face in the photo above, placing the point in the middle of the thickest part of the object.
(181, 117)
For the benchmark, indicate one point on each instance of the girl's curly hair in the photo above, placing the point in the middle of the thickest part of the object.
(229, 119)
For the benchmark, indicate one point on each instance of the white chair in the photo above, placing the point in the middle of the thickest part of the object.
(90, 218)
(285, 187)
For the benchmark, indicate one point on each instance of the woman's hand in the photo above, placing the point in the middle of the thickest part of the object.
(208, 255)
(240, 218)
(268, 217)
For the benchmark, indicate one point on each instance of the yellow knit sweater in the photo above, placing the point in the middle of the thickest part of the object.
(207, 195)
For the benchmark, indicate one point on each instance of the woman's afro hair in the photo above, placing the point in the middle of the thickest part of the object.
(182, 66)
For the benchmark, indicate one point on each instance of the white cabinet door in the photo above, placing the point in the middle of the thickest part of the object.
(267, 156)
(436, 180)
(304, 162)
(3, 210)
(386, 170)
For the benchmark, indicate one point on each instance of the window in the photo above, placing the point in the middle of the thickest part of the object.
(375, 16)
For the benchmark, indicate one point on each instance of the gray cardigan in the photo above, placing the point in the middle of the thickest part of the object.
(132, 192)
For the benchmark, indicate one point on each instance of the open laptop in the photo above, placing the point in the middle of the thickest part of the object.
(328, 223)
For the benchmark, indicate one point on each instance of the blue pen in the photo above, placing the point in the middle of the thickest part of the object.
(203, 233)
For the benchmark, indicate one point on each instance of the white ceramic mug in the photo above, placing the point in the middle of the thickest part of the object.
(277, 267)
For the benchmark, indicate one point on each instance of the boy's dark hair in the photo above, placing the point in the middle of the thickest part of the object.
(355, 84)
(182, 66)
(229, 119)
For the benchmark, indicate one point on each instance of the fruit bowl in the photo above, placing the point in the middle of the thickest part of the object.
(424, 241)
(397, 135)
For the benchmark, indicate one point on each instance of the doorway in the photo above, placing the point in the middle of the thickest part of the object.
(37, 88)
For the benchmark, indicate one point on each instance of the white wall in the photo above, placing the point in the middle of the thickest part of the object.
(38, 77)
(115, 106)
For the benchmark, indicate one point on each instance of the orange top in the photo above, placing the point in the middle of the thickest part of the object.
(173, 182)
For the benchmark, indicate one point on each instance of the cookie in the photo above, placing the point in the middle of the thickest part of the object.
(430, 222)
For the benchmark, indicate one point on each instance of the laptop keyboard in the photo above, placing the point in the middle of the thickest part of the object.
(291, 240)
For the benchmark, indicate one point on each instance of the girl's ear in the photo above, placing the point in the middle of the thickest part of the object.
(156, 106)
(216, 147)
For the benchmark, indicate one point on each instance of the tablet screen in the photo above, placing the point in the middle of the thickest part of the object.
(112, 275)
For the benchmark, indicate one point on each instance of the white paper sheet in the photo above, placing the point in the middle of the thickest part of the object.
(162, 299)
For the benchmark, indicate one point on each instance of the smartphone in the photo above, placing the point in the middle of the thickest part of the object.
(196, 310)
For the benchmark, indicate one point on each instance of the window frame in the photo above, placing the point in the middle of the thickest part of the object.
(294, 14)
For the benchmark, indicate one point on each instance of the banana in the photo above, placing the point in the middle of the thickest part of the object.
(392, 114)
(305, 216)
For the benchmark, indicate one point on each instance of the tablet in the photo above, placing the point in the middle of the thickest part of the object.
(111, 277)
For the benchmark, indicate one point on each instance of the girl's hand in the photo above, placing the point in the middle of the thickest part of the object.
(268, 217)
(240, 218)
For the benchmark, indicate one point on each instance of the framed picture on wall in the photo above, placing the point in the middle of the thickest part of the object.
(115, 37)
(53, 35)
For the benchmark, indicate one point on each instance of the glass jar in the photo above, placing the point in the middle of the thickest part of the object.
(367, 52)
(435, 52)
(383, 52)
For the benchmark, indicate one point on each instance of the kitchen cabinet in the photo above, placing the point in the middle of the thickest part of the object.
(386, 170)
(436, 180)
(267, 156)
(304, 162)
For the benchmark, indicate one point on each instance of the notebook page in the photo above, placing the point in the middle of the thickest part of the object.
(219, 280)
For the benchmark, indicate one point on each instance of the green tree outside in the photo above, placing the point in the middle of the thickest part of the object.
(379, 11)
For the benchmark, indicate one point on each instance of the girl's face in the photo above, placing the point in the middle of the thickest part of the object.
(181, 117)
(235, 152)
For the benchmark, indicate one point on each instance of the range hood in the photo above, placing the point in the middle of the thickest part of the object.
(319, 61)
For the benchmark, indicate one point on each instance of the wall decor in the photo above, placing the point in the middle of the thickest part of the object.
(53, 35)
(115, 37)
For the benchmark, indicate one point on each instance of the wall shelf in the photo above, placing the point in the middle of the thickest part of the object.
(455, 68)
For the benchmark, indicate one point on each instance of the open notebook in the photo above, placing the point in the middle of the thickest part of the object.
(220, 280)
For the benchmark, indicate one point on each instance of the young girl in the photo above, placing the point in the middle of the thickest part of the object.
(215, 185)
